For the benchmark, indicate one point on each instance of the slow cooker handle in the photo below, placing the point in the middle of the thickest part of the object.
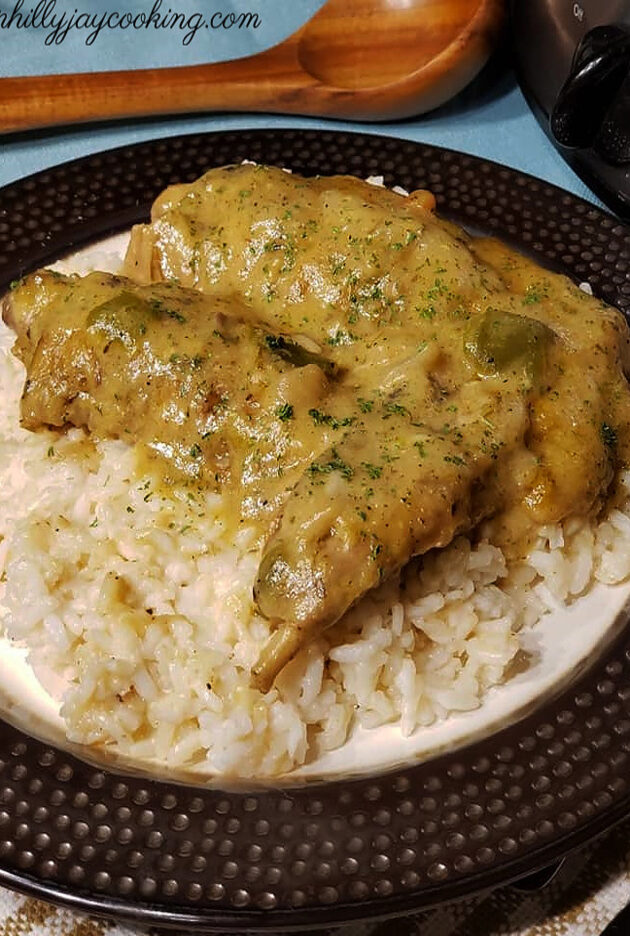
(600, 65)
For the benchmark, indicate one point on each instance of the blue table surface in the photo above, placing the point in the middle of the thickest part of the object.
(491, 118)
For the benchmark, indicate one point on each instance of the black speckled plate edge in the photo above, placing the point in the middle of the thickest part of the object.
(160, 853)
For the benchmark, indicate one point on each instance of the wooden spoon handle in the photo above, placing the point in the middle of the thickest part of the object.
(256, 83)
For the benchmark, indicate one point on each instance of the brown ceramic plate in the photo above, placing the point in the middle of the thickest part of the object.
(327, 852)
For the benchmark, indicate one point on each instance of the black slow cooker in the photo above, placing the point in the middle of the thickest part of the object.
(573, 61)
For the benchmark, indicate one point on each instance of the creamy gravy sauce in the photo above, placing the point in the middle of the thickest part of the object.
(350, 368)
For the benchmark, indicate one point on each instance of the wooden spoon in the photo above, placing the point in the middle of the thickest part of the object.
(357, 59)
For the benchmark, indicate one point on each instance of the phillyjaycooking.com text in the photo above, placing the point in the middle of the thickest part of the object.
(57, 25)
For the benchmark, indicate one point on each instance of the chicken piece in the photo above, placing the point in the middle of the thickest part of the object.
(383, 495)
(331, 255)
(201, 385)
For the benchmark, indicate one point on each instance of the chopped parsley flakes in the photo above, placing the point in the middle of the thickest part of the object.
(284, 412)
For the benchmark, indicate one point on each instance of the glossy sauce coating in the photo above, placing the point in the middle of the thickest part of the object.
(416, 381)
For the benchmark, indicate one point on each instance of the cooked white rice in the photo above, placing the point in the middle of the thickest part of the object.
(144, 602)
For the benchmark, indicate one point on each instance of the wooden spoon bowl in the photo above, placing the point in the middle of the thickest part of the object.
(356, 59)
